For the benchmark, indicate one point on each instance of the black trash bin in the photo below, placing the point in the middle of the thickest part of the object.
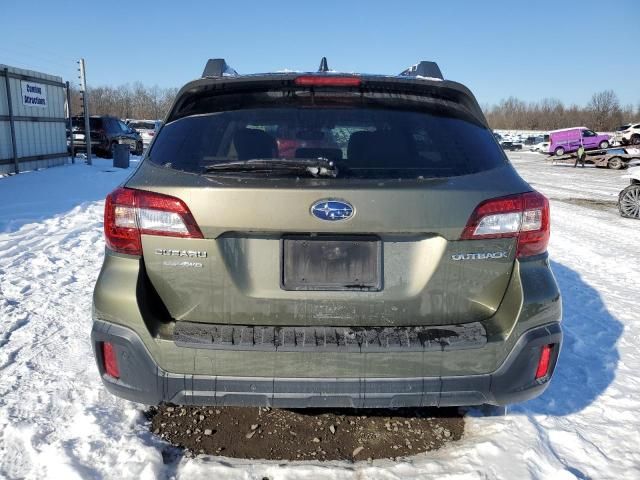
(121, 156)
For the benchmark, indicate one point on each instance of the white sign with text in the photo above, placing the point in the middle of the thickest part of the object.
(34, 94)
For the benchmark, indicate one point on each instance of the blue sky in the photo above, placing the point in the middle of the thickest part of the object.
(563, 49)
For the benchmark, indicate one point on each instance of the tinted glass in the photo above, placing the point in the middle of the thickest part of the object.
(112, 125)
(142, 125)
(94, 123)
(364, 142)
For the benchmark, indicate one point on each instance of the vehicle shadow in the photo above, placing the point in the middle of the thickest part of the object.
(589, 356)
(587, 363)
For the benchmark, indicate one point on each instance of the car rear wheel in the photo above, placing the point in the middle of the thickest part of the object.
(604, 144)
(615, 163)
(635, 139)
(629, 202)
(559, 151)
(139, 148)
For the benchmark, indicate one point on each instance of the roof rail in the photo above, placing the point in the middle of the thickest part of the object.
(423, 69)
(217, 67)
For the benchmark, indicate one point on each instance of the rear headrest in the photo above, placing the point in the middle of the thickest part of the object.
(380, 148)
(333, 154)
(358, 145)
(253, 143)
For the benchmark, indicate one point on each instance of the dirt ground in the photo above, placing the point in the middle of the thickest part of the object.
(337, 434)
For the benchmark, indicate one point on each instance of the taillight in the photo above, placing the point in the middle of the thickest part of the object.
(544, 362)
(110, 360)
(524, 216)
(328, 81)
(129, 213)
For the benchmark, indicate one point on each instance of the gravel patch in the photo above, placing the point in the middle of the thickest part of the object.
(310, 434)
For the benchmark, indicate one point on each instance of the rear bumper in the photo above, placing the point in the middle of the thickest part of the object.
(142, 380)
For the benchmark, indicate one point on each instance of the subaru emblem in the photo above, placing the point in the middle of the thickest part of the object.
(332, 210)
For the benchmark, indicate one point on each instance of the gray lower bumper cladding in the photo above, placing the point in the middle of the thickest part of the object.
(141, 380)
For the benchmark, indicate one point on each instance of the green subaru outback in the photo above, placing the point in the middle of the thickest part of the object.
(326, 239)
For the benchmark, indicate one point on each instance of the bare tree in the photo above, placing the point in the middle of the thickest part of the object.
(602, 113)
(605, 110)
(126, 101)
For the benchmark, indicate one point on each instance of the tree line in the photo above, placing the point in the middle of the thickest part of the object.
(126, 101)
(602, 113)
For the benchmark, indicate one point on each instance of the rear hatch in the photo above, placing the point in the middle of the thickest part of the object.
(95, 126)
(147, 130)
(361, 224)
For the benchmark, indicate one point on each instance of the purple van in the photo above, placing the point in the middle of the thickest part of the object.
(569, 139)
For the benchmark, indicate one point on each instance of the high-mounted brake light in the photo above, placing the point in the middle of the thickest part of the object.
(110, 360)
(524, 216)
(129, 213)
(329, 81)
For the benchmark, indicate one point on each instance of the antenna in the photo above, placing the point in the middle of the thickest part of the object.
(324, 67)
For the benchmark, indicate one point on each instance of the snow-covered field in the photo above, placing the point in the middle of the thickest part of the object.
(56, 421)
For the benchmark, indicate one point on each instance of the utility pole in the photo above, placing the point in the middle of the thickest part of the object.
(70, 123)
(85, 108)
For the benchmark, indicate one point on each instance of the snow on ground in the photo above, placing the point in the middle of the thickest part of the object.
(56, 420)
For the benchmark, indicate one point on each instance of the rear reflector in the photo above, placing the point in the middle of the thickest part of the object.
(544, 362)
(329, 81)
(129, 213)
(524, 216)
(110, 360)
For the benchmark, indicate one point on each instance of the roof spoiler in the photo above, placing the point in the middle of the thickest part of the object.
(423, 69)
(217, 67)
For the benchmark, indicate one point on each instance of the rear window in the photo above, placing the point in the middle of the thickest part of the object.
(94, 123)
(142, 125)
(364, 141)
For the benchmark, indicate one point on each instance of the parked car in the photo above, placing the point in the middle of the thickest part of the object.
(542, 147)
(617, 134)
(106, 132)
(390, 267)
(629, 198)
(532, 140)
(628, 134)
(568, 140)
(146, 128)
(507, 145)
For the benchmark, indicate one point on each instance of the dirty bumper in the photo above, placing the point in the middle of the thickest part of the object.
(142, 380)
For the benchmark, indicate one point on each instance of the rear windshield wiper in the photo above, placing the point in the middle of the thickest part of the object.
(316, 167)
